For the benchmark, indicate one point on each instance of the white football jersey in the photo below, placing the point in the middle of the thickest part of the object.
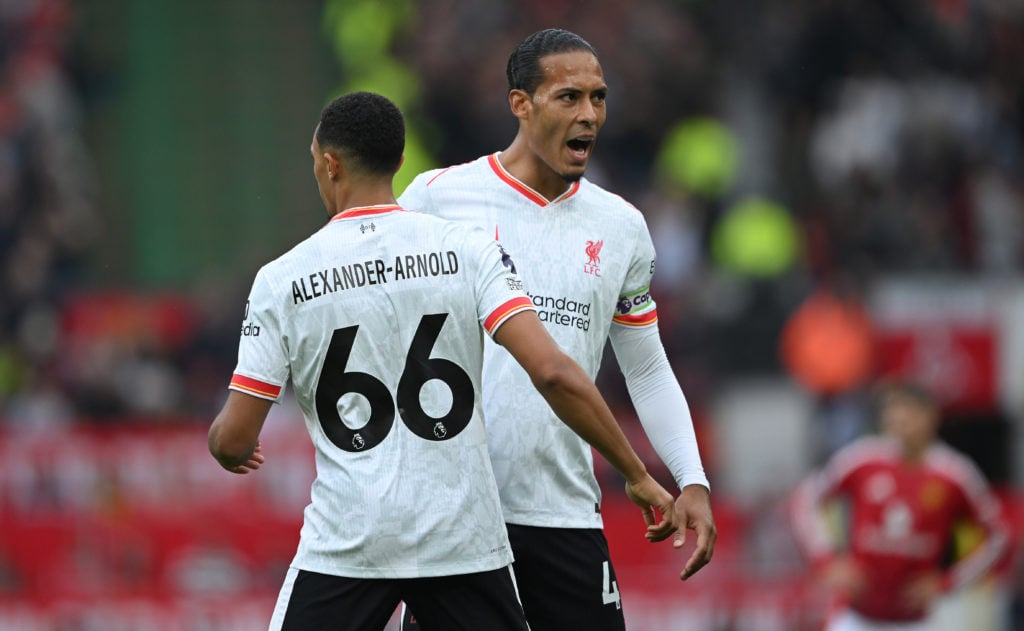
(586, 260)
(376, 320)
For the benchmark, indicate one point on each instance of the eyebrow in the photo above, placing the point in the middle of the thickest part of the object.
(575, 90)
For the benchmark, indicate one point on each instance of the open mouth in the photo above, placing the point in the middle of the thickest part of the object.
(580, 147)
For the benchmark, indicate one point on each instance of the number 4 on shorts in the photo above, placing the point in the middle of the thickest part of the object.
(610, 589)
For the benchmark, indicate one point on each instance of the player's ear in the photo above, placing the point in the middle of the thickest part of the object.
(334, 165)
(519, 102)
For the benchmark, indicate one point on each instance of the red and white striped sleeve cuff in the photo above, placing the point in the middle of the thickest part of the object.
(505, 311)
(255, 387)
(637, 319)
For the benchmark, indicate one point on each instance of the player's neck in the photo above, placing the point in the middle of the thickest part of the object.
(363, 197)
(525, 166)
(914, 454)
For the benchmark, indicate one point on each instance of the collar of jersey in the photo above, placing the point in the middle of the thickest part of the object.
(362, 211)
(525, 190)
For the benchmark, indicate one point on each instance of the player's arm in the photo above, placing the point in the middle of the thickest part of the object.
(659, 401)
(665, 417)
(809, 505)
(234, 435)
(575, 399)
(233, 439)
(657, 397)
(984, 510)
(838, 572)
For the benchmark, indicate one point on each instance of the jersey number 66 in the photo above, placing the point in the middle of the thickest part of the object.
(420, 368)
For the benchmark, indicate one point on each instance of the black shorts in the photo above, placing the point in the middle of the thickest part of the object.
(565, 579)
(466, 602)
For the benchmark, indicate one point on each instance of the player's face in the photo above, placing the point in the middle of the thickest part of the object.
(566, 112)
(910, 422)
(320, 172)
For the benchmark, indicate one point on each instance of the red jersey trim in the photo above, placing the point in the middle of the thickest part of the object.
(523, 189)
(362, 211)
(505, 311)
(255, 387)
(443, 171)
(640, 319)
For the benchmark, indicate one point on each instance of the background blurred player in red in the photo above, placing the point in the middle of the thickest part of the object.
(905, 492)
(378, 321)
(586, 258)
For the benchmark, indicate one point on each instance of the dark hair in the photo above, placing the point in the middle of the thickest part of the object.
(524, 70)
(906, 390)
(367, 128)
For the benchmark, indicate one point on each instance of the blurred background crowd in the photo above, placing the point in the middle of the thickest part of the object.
(835, 189)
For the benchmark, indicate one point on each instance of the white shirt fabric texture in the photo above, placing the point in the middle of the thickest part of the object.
(378, 321)
(586, 260)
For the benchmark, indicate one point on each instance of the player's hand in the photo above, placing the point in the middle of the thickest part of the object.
(693, 510)
(844, 576)
(651, 497)
(252, 464)
(923, 591)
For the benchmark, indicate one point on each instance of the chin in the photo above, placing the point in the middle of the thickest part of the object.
(572, 177)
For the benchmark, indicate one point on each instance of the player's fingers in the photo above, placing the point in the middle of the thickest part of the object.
(668, 512)
(680, 535)
(648, 514)
(698, 559)
(706, 537)
(668, 524)
(912, 598)
(660, 531)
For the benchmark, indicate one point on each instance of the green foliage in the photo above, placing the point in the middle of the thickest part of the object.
(363, 32)
(390, 78)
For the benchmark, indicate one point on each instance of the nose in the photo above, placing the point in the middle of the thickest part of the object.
(588, 113)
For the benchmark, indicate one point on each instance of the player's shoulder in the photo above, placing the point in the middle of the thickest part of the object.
(596, 192)
(615, 206)
(288, 259)
(449, 230)
(865, 451)
(448, 176)
(951, 463)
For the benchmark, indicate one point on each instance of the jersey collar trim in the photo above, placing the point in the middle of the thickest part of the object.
(362, 211)
(525, 190)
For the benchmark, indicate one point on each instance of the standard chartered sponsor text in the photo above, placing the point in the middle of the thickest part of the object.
(562, 311)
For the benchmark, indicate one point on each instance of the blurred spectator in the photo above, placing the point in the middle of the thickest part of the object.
(47, 196)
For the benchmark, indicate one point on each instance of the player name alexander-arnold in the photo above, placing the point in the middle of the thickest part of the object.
(373, 272)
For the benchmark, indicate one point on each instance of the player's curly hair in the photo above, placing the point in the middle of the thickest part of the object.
(367, 128)
(524, 70)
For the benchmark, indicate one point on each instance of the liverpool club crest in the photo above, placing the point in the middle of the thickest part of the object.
(593, 264)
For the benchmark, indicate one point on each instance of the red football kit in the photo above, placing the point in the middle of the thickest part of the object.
(901, 520)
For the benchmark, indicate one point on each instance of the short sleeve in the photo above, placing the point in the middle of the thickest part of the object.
(635, 306)
(497, 285)
(262, 368)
